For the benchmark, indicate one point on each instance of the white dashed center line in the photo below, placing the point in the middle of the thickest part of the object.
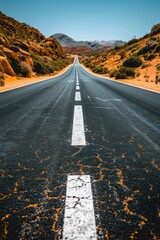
(78, 134)
(77, 77)
(78, 96)
(79, 221)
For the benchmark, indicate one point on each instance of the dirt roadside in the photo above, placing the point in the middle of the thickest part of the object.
(15, 82)
(140, 81)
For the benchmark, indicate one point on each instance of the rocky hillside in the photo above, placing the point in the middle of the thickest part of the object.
(24, 51)
(134, 58)
(67, 41)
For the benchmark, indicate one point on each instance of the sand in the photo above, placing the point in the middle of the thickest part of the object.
(147, 77)
(140, 82)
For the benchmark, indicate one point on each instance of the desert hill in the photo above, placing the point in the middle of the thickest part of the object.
(138, 58)
(24, 51)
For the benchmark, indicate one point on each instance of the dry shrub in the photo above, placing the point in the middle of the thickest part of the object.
(25, 69)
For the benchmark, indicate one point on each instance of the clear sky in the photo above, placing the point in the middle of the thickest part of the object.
(87, 19)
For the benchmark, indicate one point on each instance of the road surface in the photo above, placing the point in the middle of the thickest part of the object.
(79, 127)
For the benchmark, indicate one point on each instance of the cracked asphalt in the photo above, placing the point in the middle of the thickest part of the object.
(122, 130)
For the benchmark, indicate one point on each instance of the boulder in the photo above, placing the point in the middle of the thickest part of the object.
(6, 67)
(25, 69)
(3, 40)
(21, 44)
(13, 59)
(1, 51)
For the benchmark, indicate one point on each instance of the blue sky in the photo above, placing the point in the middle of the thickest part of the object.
(87, 19)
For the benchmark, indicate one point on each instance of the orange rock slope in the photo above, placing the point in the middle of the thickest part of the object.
(24, 50)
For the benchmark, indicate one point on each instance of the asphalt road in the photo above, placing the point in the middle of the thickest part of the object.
(122, 156)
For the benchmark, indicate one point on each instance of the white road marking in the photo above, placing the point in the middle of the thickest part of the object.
(78, 134)
(77, 88)
(78, 96)
(79, 221)
(76, 75)
(104, 108)
(108, 100)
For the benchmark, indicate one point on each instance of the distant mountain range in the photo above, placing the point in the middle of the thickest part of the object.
(67, 41)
